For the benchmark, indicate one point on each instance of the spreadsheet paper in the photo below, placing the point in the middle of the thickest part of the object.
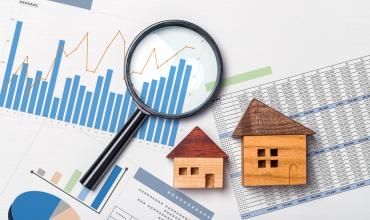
(334, 102)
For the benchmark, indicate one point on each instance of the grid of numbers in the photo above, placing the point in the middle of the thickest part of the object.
(334, 102)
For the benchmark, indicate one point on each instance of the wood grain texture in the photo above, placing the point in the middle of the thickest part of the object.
(260, 119)
(291, 160)
(198, 179)
(197, 144)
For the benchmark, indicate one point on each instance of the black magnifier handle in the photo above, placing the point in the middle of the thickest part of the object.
(96, 172)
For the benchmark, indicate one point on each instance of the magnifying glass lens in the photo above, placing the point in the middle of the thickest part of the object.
(173, 70)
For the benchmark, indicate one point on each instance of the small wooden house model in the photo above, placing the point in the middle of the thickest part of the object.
(198, 162)
(273, 147)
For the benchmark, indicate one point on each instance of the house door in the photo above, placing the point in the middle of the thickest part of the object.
(293, 174)
(210, 180)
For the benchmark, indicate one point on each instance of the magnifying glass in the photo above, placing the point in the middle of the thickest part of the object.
(166, 70)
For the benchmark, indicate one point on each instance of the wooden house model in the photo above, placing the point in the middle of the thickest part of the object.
(198, 162)
(273, 147)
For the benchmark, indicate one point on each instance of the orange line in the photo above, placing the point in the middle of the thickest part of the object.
(156, 59)
(85, 41)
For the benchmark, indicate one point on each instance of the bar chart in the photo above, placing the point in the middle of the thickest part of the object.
(100, 108)
(69, 184)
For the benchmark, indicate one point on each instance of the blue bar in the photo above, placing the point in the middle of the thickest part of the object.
(103, 99)
(53, 79)
(94, 104)
(176, 87)
(132, 109)
(166, 96)
(35, 90)
(54, 108)
(9, 65)
(63, 104)
(85, 109)
(83, 194)
(13, 84)
(143, 94)
(174, 98)
(26, 94)
(108, 111)
(158, 99)
(18, 95)
(149, 102)
(72, 98)
(40, 101)
(106, 187)
(80, 98)
(124, 110)
(117, 107)
(180, 105)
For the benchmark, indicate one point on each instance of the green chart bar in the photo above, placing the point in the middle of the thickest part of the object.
(254, 74)
(72, 181)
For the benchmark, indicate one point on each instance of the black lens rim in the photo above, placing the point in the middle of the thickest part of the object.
(180, 23)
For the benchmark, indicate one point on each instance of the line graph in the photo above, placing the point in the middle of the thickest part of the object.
(154, 53)
(92, 105)
(85, 41)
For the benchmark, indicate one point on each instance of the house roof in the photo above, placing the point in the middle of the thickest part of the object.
(260, 119)
(197, 144)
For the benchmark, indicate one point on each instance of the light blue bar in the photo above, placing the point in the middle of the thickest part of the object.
(173, 195)
(35, 90)
(106, 187)
(108, 111)
(117, 107)
(40, 101)
(149, 102)
(54, 108)
(72, 98)
(81, 95)
(13, 84)
(143, 95)
(174, 98)
(26, 94)
(83, 194)
(103, 99)
(125, 110)
(166, 98)
(180, 105)
(62, 108)
(94, 104)
(9, 64)
(22, 79)
(158, 99)
(53, 79)
(85, 109)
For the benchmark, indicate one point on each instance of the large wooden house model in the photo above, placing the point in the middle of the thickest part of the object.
(273, 147)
